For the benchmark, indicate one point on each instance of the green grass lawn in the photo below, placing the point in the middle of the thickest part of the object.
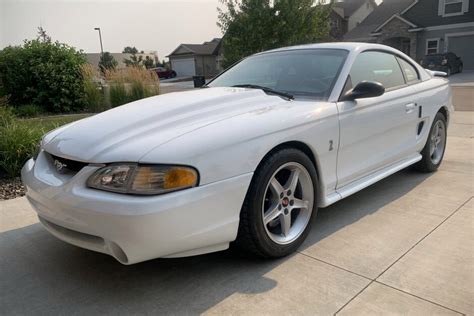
(48, 123)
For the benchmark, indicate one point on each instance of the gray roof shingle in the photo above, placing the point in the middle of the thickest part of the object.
(381, 14)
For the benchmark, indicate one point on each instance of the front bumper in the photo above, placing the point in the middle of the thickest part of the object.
(134, 228)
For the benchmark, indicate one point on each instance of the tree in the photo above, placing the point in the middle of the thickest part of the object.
(107, 62)
(130, 50)
(148, 62)
(251, 26)
(134, 61)
(43, 36)
(45, 74)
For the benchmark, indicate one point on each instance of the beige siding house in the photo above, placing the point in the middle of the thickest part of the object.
(196, 59)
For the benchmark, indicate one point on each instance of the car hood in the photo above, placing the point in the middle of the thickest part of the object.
(128, 132)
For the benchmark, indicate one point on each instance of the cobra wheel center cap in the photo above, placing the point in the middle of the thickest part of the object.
(285, 202)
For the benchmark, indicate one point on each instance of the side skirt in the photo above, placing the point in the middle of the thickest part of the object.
(366, 181)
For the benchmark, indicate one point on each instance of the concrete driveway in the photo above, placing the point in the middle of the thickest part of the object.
(404, 245)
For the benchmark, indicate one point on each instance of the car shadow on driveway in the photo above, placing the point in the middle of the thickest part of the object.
(42, 275)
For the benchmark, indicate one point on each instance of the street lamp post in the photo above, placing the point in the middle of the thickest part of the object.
(100, 38)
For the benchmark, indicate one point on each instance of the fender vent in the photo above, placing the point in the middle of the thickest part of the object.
(420, 127)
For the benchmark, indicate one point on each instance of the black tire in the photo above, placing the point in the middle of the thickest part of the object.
(460, 68)
(173, 74)
(426, 163)
(252, 236)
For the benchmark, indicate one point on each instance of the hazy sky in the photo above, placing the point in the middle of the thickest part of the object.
(159, 25)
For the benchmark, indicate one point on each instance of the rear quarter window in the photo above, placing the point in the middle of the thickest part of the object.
(411, 74)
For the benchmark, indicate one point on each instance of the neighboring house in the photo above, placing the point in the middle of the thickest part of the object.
(94, 58)
(421, 27)
(347, 14)
(197, 59)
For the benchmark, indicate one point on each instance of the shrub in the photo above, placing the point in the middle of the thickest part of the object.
(44, 74)
(28, 110)
(131, 84)
(118, 94)
(6, 114)
(17, 144)
(93, 92)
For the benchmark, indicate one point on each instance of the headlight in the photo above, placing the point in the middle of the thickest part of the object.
(143, 179)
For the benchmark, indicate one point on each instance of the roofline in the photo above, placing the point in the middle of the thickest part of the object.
(396, 15)
(409, 7)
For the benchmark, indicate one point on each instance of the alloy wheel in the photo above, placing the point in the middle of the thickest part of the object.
(437, 142)
(288, 203)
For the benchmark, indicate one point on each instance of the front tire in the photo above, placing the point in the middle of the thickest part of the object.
(433, 152)
(279, 207)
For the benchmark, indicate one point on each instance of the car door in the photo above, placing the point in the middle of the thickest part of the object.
(380, 131)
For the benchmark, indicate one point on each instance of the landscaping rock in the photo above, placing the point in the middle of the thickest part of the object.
(11, 188)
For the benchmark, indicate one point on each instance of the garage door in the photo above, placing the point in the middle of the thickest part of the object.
(183, 67)
(464, 48)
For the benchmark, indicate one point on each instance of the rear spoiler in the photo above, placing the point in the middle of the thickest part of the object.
(436, 73)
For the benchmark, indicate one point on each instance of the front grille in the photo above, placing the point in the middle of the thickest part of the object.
(64, 165)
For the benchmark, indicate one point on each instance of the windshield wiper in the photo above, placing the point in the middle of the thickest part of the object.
(266, 90)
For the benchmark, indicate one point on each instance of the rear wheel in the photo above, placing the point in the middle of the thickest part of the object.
(449, 71)
(279, 206)
(433, 152)
(460, 68)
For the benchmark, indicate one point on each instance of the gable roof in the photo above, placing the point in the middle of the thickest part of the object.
(206, 48)
(385, 11)
(350, 6)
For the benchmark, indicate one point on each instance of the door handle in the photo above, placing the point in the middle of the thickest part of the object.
(410, 107)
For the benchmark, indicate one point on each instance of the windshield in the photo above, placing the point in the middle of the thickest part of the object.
(309, 72)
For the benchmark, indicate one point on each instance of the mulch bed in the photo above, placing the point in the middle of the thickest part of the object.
(11, 188)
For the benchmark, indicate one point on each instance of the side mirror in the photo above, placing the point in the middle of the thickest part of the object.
(364, 89)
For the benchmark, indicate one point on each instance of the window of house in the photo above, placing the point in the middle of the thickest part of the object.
(453, 7)
(377, 66)
(409, 70)
(432, 46)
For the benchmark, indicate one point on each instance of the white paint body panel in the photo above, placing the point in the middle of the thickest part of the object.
(224, 133)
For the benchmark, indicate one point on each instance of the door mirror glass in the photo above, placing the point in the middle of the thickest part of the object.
(364, 89)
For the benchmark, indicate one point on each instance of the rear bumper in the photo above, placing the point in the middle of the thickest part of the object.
(135, 228)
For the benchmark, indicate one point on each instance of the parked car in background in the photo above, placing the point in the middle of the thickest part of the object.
(249, 159)
(162, 72)
(447, 62)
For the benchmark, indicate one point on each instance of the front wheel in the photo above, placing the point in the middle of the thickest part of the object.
(280, 204)
(433, 152)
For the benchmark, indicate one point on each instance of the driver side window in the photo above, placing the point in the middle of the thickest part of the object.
(377, 66)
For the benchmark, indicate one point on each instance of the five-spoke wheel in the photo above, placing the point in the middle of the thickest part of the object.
(288, 203)
(433, 152)
(281, 201)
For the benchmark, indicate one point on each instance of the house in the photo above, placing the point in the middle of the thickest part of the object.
(94, 58)
(421, 27)
(347, 14)
(197, 59)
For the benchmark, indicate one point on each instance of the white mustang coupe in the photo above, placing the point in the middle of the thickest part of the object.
(247, 159)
